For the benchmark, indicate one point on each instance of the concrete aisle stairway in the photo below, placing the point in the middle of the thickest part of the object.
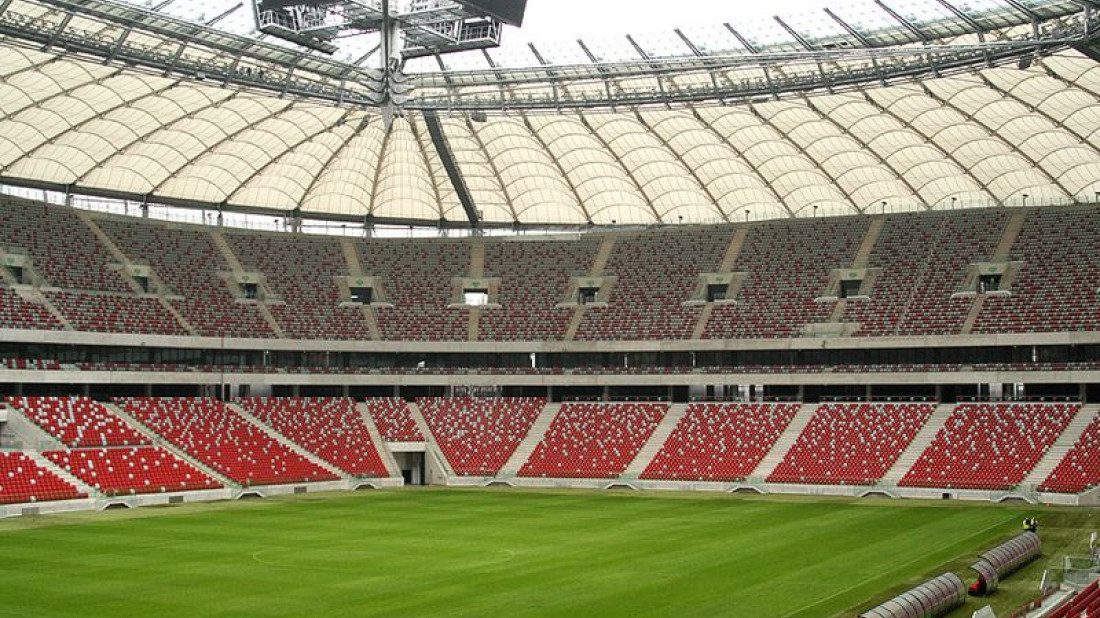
(44, 461)
(668, 424)
(920, 442)
(531, 440)
(158, 440)
(1062, 445)
(785, 441)
(384, 452)
(278, 437)
(430, 444)
(21, 433)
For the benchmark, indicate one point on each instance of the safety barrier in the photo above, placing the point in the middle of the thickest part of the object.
(933, 598)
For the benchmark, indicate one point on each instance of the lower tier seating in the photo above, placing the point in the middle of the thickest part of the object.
(78, 421)
(1080, 468)
(478, 435)
(593, 440)
(129, 471)
(219, 437)
(989, 446)
(395, 424)
(1085, 604)
(330, 428)
(851, 443)
(719, 442)
(23, 480)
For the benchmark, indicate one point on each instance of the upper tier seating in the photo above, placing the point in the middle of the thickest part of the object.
(63, 248)
(330, 428)
(656, 272)
(130, 471)
(1080, 468)
(957, 241)
(391, 416)
(478, 435)
(417, 278)
(1056, 289)
(719, 441)
(114, 313)
(301, 270)
(918, 262)
(188, 262)
(989, 446)
(219, 437)
(788, 265)
(78, 421)
(23, 480)
(18, 313)
(923, 260)
(851, 443)
(594, 440)
(534, 277)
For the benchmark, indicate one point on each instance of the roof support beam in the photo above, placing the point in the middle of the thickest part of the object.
(629, 173)
(691, 171)
(57, 31)
(741, 157)
(817, 164)
(225, 139)
(279, 157)
(4, 4)
(493, 166)
(80, 125)
(423, 150)
(997, 136)
(557, 164)
(446, 156)
(865, 146)
(223, 15)
(699, 54)
(122, 150)
(339, 150)
(752, 49)
(931, 142)
(1039, 110)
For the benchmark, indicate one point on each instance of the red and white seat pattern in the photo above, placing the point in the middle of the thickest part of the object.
(23, 480)
(78, 421)
(719, 442)
(418, 281)
(851, 443)
(989, 446)
(219, 437)
(16, 312)
(392, 417)
(1080, 468)
(787, 264)
(129, 471)
(478, 435)
(593, 440)
(1085, 604)
(330, 428)
(656, 272)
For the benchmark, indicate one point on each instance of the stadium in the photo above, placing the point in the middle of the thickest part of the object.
(390, 308)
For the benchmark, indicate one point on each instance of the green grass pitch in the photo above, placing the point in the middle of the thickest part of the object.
(508, 553)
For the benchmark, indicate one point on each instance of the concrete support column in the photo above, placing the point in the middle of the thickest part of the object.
(607, 393)
(801, 393)
(868, 392)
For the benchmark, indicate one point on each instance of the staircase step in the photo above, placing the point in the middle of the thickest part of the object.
(785, 441)
(656, 440)
(920, 443)
(1062, 445)
(534, 436)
